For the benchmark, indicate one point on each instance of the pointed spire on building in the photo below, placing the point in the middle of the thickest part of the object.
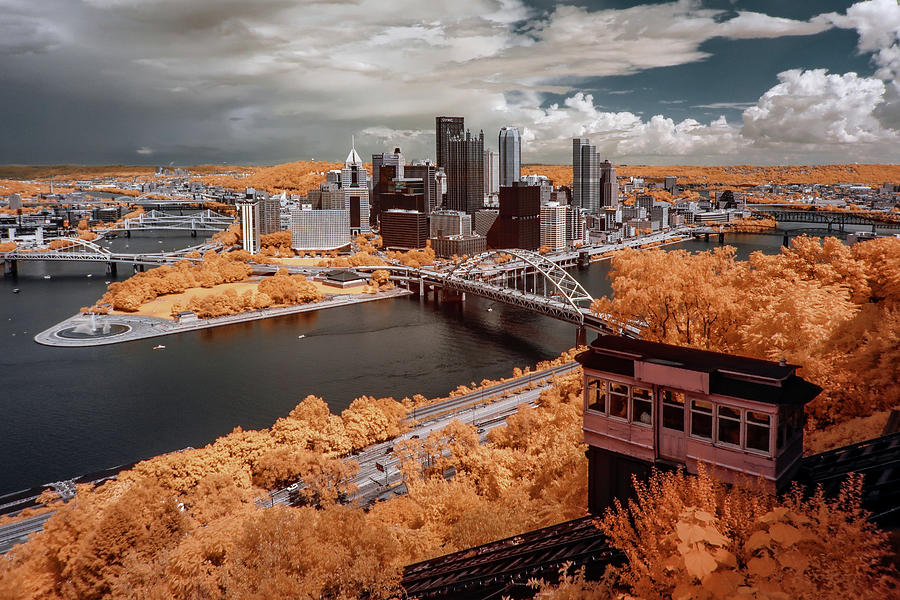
(353, 158)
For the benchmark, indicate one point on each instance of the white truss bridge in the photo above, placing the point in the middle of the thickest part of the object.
(527, 280)
(79, 250)
(156, 220)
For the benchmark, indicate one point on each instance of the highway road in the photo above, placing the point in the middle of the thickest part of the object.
(19, 532)
(373, 482)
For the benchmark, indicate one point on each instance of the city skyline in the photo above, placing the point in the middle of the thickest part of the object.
(688, 82)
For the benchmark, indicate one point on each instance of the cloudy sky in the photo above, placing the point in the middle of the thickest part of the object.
(267, 81)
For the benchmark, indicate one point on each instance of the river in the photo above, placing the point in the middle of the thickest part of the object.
(65, 411)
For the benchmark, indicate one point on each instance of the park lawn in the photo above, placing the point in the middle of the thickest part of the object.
(161, 307)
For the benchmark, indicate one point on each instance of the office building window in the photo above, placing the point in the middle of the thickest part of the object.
(673, 410)
(596, 395)
(701, 419)
(641, 406)
(618, 400)
(756, 431)
(729, 425)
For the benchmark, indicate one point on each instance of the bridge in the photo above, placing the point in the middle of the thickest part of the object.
(157, 220)
(785, 214)
(80, 250)
(520, 278)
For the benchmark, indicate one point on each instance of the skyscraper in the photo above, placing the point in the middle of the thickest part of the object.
(510, 155)
(609, 187)
(586, 175)
(386, 167)
(465, 173)
(426, 171)
(445, 129)
(491, 172)
(355, 183)
(519, 222)
(394, 158)
(250, 216)
(553, 226)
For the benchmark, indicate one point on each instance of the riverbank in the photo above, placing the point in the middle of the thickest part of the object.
(129, 328)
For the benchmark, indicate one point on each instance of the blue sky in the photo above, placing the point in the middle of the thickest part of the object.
(683, 82)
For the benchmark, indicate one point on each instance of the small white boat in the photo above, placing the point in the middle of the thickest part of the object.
(159, 347)
(106, 282)
(46, 277)
(300, 337)
(490, 310)
(16, 290)
(90, 274)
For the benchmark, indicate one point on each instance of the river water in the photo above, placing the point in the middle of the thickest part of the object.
(69, 411)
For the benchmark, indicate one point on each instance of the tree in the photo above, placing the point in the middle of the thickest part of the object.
(818, 304)
(695, 537)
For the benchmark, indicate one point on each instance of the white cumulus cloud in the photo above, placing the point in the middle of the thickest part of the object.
(810, 107)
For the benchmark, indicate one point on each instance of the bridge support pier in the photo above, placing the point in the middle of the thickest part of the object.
(128, 233)
(111, 269)
(10, 268)
(448, 295)
(138, 268)
(421, 287)
(786, 241)
(706, 237)
(721, 237)
(193, 233)
(584, 260)
(581, 337)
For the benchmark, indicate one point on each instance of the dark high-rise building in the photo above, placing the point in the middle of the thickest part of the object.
(386, 167)
(519, 222)
(519, 200)
(510, 143)
(586, 175)
(403, 201)
(445, 129)
(427, 172)
(465, 173)
(404, 228)
(382, 183)
(609, 186)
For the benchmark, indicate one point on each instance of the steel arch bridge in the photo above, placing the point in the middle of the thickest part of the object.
(528, 280)
(76, 249)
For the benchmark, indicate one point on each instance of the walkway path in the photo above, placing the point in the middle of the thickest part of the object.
(141, 327)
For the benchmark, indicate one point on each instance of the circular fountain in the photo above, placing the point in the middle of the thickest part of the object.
(90, 329)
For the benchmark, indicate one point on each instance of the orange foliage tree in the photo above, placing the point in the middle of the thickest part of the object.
(831, 308)
(415, 258)
(131, 294)
(695, 537)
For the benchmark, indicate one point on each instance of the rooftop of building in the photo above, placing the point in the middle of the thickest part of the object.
(730, 375)
(344, 275)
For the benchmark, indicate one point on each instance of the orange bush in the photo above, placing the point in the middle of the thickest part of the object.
(695, 537)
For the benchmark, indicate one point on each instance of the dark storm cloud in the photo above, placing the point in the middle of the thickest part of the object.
(274, 80)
